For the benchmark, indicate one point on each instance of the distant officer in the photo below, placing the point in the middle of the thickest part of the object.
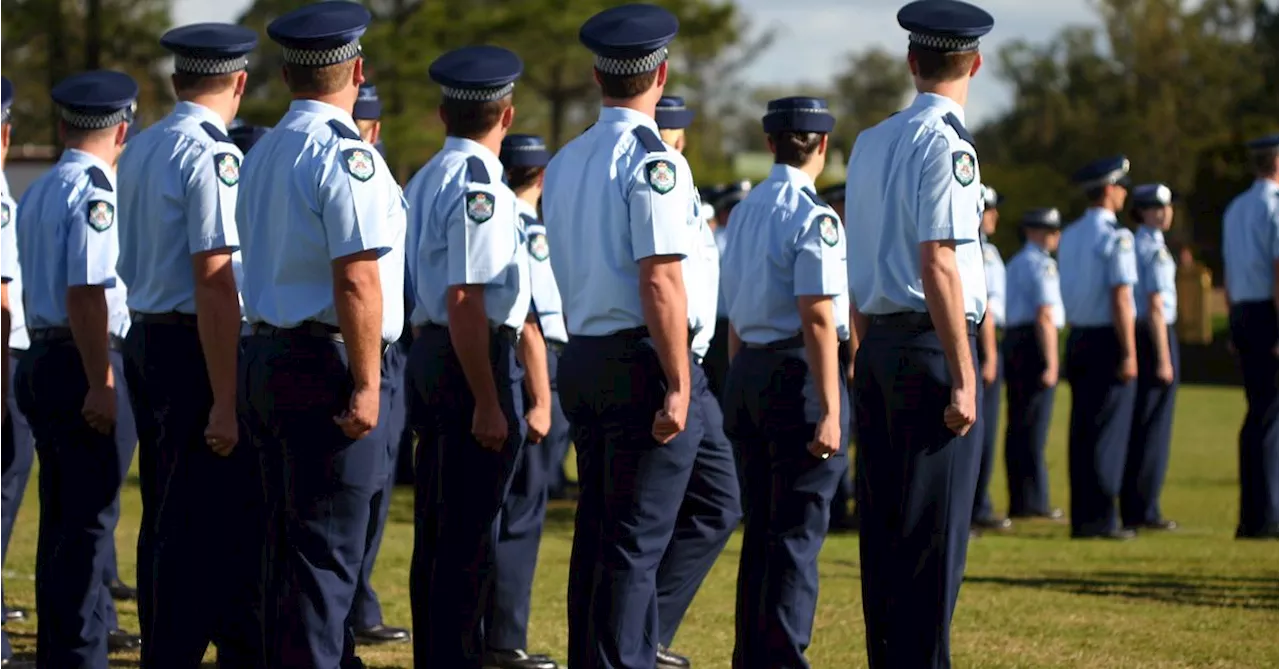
(197, 546)
(524, 159)
(623, 208)
(366, 615)
(321, 222)
(1249, 253)
(915, 275)
(476, 336)
(841, 519)
(246, 136)
(785, 399)
(1033, 317)
(716, 362)
(1159, 364)
(711, 509)
(1098, 275)
(66, 385)
(990, 363)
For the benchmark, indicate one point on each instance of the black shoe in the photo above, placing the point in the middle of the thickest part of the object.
(15, 615)
(1162, 525)
(118, 640)
(1054, 514)
(1271, 531)
(516, 659)
(121, 592)
(379, 634)
(992, 525)
(1114, 535)
(666, 658)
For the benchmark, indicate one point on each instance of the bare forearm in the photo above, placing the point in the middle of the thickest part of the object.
(666, 312)
(469, 334)
(944, 298)
(817, 323)
(860, 323)
(1047, 337)
(1122, 316)
(358, 301)
(987, 339)
(533, 354)
(218, 322)
(735, 344)
(87, 316)
(1159, 333)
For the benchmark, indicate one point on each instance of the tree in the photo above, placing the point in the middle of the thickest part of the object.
(873, 85)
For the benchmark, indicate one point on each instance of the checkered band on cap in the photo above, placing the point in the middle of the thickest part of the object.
(671, 108)
(628, 67)
(324, 57)
(525, 147)
(6, 114)
(76, 119)
(478, 94)
(945, 44)
(210, 66)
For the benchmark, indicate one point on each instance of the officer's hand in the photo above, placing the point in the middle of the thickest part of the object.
(99, 409)
(222, 432)
(1128, 368)
(962, 413)
(1049, 378)
(489, 427)
(848, 373)
(539, 421)
(670, 421)
(1165, 373)
(989, 369)
(361, 415)
(826, 437)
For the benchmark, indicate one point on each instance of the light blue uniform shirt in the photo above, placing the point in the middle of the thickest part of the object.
(67, 219)
(11, 269)
(1033, 283)
(782, 245)
(177, 199)
(542, 279)
(466, 232)
(1095, 256)
(613, 200)
(1157, 273)
(993, 266)
(915, 178)
(702, 286)
(313, 192)
(1250, 229)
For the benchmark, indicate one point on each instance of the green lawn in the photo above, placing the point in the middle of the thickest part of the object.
(1194, 598)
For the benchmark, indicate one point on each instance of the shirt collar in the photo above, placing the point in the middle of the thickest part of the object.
(627, 116)
(324, 109)
(474, 148)
(1266, 185)
(202, 113)
(1101, 214)
(1154, 234)
(85, 158)
(1036, 248)
(791, 175)
(942, 102)
(525, 208)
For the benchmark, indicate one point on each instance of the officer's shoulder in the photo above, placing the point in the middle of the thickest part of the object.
(358, 158)
(1048, 268)
(1120, 239)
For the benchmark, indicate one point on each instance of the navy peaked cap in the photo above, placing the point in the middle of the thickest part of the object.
(210, 48)
(524, 151)
(477, 73)
(671, 113)
(990, 198)
(629, 39)
(1152, 195)
(321, 34)
(833, 193)
(1047, 218)
(245, 135)
(731, 194)
(1261, 144)
(1103, 172)
(946, 26)
(96, 99)
(798, 114)
(368, 107)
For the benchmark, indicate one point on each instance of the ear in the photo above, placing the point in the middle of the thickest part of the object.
(508, 118)
(977, 65)
(541, 176)
(595, 74)
(377, 132)
(62, 132)
(242, 80)
(284, 72)
(772, 148)
(173, 81)
(912, 64)
(357, 73)
(662, 75)
(440, 115)
(822, 145)
(4, 135)
(122, 131)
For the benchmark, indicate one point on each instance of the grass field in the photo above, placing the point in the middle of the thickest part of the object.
(1194, 598)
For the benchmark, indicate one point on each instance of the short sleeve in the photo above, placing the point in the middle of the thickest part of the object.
(1163, 272)
(947, 204)
(213, 180)
(1120, 259)
(8, 241)
(659, 208)
(92, 242)
(354, 199)
(1046, 288)
(819, 267)
(1272, 228)
(482, 233)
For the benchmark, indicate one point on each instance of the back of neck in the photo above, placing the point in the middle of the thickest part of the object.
(643, 104)
(957, 91)
(101, 150)
(224, 105)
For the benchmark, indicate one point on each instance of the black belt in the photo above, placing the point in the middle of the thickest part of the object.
(312, 329)
(913, 320)
(788, 344)
(60, 334)
(556, 346)
(642, 332)
(504, 333)
(166, 318)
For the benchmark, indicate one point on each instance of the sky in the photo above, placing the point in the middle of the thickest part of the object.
(814, 35)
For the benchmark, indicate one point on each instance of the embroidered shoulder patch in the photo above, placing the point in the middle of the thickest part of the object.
(661, 175)
(829, 230)
(989, 253)
(964, 167)
(5, 214)
(101, 215)
(1125, 242)
(228, 166)
(1162, 255)
(538, 247)
(360, 164)
(479, 206)
(1050, 270)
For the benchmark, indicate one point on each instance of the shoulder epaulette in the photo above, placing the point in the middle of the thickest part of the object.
(476, 171)
(99, 178)
(528, 220)
(342, 130)
(217, 135)
(814, 196)
(649, 139)
(956, 125)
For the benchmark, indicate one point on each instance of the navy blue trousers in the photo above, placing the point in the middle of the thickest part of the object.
(367, 611)
(844, 488)
(1101, 418)
(1254, 331)
(631, 493)
(916, 496)
(1151, 433)
(126, 441)
(319, 484)
(982, 508)
(459, 489)
(708, 515)
(80, 475)
(1027, 428)
(19, 456)
(200, 541)
(771, 410)
(520, 529)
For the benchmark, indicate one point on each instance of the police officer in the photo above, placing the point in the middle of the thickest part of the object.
(66, 385)
(990, 363)
(471, 278)
(1158, 362)
(198, 549)
(322, 226)
(1034, 315)
(366, 615)
(1098, 275)
(710, 510)
(524, 159)
(785, 398)
(1249, 253)
(624, 211)
(915, 275)
(716, 362)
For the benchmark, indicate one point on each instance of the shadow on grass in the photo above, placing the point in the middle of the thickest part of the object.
(1228, 592)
